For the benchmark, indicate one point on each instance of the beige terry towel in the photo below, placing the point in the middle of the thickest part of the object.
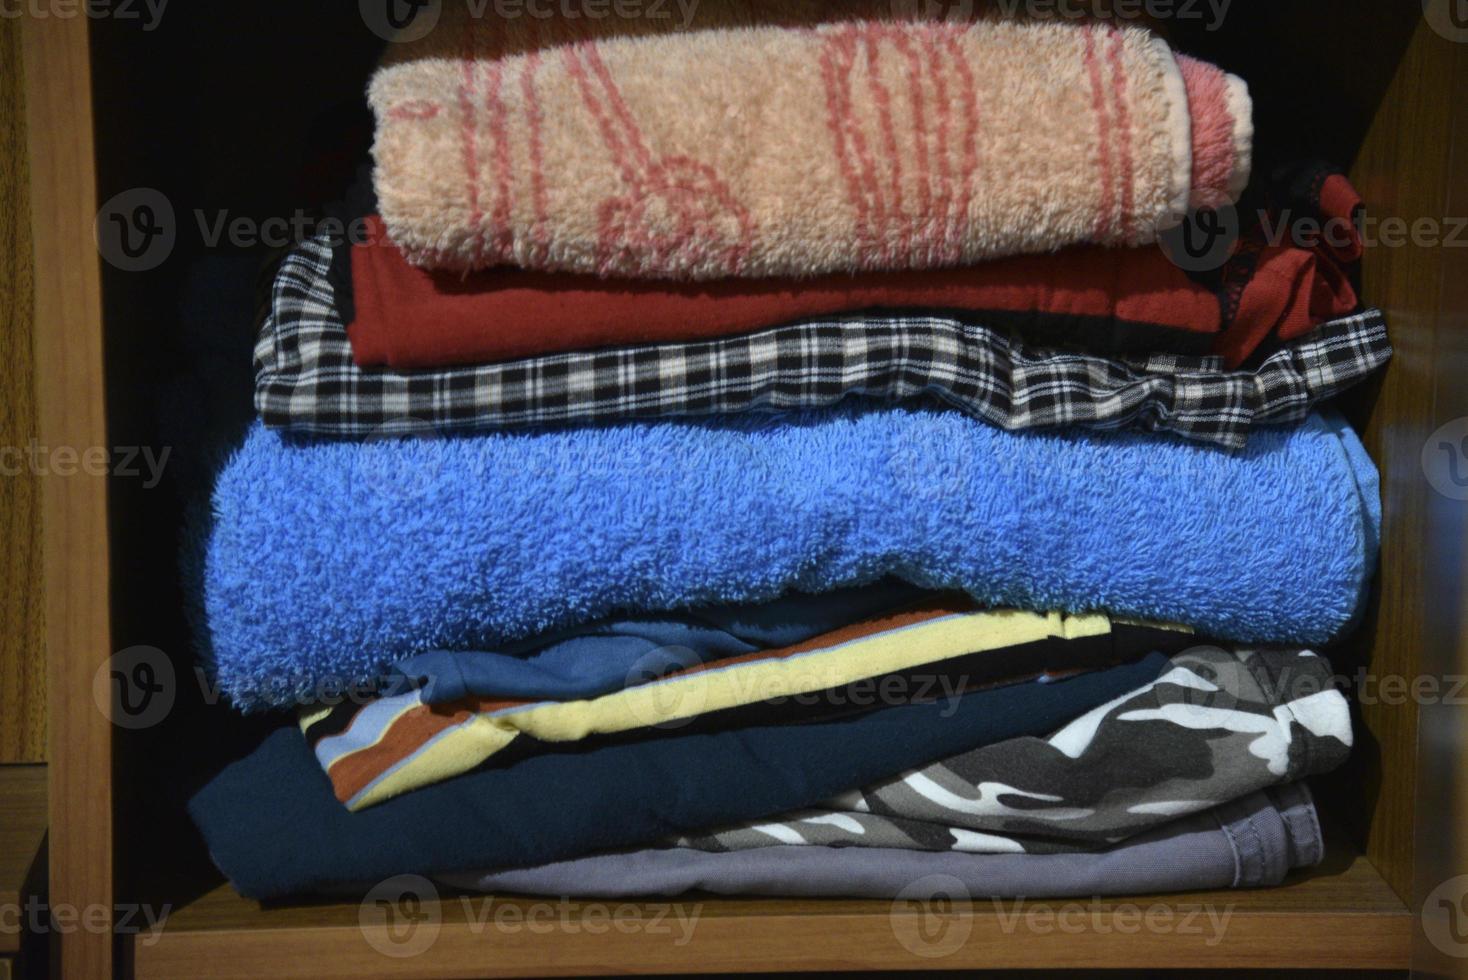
(772, 151)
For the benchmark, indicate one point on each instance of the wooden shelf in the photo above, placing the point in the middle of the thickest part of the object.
(1342, 915)
(109, 547)
(22, 828)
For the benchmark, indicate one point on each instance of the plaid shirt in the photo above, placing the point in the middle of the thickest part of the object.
(306, 380)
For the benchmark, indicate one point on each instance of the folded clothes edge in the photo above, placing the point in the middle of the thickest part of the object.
(1252, 842)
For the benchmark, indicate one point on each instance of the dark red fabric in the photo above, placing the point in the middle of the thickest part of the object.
(407, 317)
(1128, 299)
(1290, 292)
(1339, 206)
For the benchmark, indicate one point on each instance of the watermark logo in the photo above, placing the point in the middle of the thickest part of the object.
(1211, 12)
(1207, 696)
(656, 699)
(403, 21)
(400, 21)
(1445, 917)
(1445, 460)
(672, 920)
(149, 12)
(38, 918)
(123, 462)
(956, 10)
(928, 464)
(1204, 241)
(401, 917)
(1100, 917)
(1207, 239)
(397, 462)
(137, 229)
(1449, 18)
(586, 9)
(135, 687)
(933, 917)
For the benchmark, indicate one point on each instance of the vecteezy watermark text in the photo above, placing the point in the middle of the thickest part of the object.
(684, 10)
(119, 461)
(150, 12)
(138, 687)
(933, 917)
(37, 918)
(402, 917)
(565, 916)
(1207, 239)
(1212, 12)
(138, 229)
(1123, 918)
(404, 21)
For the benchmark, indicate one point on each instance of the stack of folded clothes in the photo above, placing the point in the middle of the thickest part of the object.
(776, 457)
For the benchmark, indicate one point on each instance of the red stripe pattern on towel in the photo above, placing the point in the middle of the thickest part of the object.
(698, 155)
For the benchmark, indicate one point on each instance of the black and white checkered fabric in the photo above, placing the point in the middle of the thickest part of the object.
(306, 380)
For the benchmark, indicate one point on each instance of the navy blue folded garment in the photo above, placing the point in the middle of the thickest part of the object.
(274, 827)
(594, 660)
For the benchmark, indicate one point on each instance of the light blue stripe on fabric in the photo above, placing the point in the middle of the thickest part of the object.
(372, 722)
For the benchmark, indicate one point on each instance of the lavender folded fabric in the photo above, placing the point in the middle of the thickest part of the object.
(1249, 843)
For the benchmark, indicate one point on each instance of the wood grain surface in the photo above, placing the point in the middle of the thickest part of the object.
(1426, 391)
(1411, 167)
(22, 658)
(22, 827)
(1345, 918)
(70, 390)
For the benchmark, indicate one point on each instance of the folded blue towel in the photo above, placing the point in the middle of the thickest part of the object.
(331, 559)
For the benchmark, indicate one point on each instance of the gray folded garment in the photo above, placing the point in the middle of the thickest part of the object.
(1216, 726)
(1248, 843)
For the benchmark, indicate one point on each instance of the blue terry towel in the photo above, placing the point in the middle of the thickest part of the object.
(331, 559)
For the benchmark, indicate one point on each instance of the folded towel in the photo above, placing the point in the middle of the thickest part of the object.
(938, 645)
(772, 151)
(1252, 842)
(307, 381)
(273, 826)
(1216, 726)
(333, 559)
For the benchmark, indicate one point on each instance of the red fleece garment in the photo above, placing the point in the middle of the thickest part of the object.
(1131, 299)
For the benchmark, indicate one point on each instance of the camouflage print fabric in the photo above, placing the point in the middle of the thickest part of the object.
(1217, 725)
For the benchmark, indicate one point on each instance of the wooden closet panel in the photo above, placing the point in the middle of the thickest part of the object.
(1412, 166)
(70, 412)
(1441, 839)
(22, 658)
